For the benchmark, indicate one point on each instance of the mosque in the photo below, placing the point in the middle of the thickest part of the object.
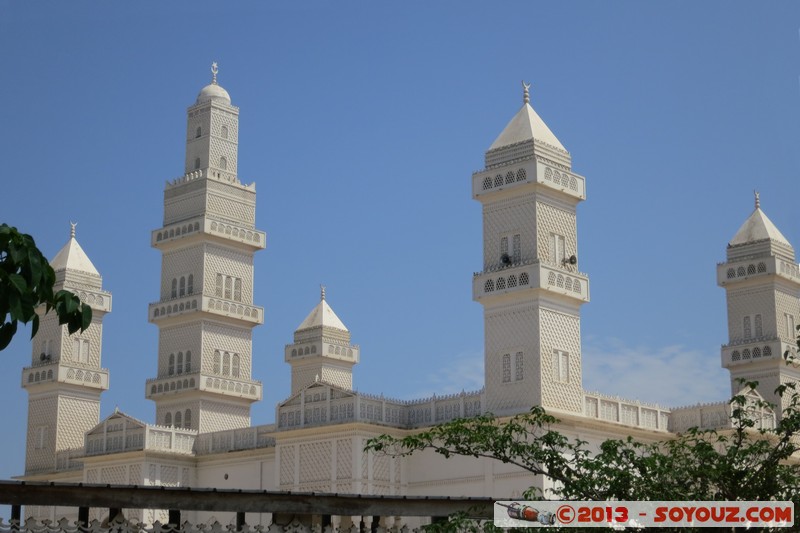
(530, 286)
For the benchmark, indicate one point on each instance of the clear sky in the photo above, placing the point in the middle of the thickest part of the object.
(361, 123)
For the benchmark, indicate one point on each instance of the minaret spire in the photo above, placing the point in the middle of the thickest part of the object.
(214, 71)
(72, 229)
(758, 199)
(322, 292)
(526, 95)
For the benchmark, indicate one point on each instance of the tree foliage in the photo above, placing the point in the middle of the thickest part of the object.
(742, 463)
(26, 281)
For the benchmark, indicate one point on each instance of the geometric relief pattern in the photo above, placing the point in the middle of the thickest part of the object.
(786, 303)
(747, 302)
(560, 331)
(216, 416)
(219, 260)
(114, 475)
(230, 209)
(503, 217)
(287, 465)
(226, 339)
(177, 263)
(365, 465)
(181, 208)
(135, 475)
(315, 461)
(554, 220)
(344, 459)
(380, 468)
(169, 476)
(177, 339)
(503, 327)
(41, 412)
(222, 148)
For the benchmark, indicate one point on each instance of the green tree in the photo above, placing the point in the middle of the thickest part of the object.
(745, 462)
(26, 281)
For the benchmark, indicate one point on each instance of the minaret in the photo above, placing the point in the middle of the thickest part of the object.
(322, 349)
(530, 286)
(761, 282)
(205, 313)
(65, 379)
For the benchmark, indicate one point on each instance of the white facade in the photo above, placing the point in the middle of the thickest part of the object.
(530, 287)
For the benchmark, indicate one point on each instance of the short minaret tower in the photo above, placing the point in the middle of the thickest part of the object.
(530, 285)
(205, 313)
(65, 379)
(762, 284)
(321, 350)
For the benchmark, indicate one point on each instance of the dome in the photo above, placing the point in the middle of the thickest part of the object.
(213, 92)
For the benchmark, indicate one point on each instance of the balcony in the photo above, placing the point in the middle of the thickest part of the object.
(531, 275)
(64, 372)
(194, 303)
(512, 176)
(226, 385)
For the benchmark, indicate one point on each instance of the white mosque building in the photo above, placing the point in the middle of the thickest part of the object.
(530, 286)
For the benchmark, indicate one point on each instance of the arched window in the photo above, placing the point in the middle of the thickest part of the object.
(179, 366)
(198, 132)
(745, 354)
(171, 366)
(175, 288)
(487, 183)
(168, 419)
(523, 278)
(223, 132)
(223, 163)
(762, 267)
(182, 288)
(488, 286)
(731, 273)
(498, 180)
(314, 348)
(501, 284)
(188, 361)
(235, 369)
(506, 368)
(756, 352)
(740, 271)
(759, 326)
(218, 287)
(187, 419)
(197, 163)
(215, 368)
(751, 269)
(237, 290)
(153, 389)
(226, 364)
(306, 350)
(521, 174)
(178, 419)
(228, 288)
(746, 327)
(294, 352)
(767, 351)
(190, 284)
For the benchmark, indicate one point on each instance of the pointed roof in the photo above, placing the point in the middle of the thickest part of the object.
(525, 126)
(72, 257)
(322, 315)
(758, 227)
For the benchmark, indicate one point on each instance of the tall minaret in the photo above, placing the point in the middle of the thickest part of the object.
(530, 286)
(762, 283)
(322, 349)
(205, 313)
(65, 379)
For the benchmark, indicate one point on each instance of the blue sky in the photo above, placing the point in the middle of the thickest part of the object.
(361, 123)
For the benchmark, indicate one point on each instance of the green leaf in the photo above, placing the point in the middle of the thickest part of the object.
(7, 332)
(18, 282)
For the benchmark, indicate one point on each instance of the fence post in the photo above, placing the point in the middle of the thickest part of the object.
(83, 515)
(175, 517)
(239, 521)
